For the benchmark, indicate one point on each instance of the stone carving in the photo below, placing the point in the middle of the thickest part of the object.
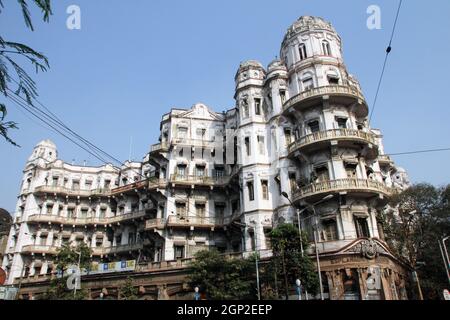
(368, 249)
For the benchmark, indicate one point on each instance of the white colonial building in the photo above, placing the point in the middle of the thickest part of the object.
(215, 180)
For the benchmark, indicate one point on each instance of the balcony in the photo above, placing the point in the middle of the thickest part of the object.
(41, 249)
(339, 94)
(152, 224)
(202, 143)
(318, 190)
(117, 249)
(130, 187)
(57, 190)
(192, 180)
(385, 160)
(159, 147)
(197, 222)
(74, 221)
(323, 138)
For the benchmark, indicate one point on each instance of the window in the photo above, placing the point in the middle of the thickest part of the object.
(308, 84)
(261, 145)
(333, 80)
(200, 170)
(131, 238)
(102, 212)
(200, 209)
(362, 228)
(314, 126)
(245, 111)
(218, 172)
(326, 48)
(55, 182)
(329, 230)
(118, 240)
(350, 169)
(302, 51)
(179, 252)
(88, 184)
(321, 174)
(247, 146)
(234, 206)
(219, 209)
(182, 133)
(76, 185)
(251, 191)
(283, 96)
(49, 209)
(84, 213)
(265, 189)
(287, 136)
(292, 181)
(201, 133)
(181, 208)
(107, 184)
(181, 170)
(342, 123)
(258, 106)
(70, 212)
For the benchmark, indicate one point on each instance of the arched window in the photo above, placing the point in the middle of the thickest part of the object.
(302, 51)
(326, 48)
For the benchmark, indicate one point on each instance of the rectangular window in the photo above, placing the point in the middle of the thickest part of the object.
(251, 191)
(321, 174)
(218, 172)
(283, 96)
(84, 213)
(55, 182)
(76, 185)
(102, 212)
(258, 106)
(350, 169)
(201, 133)
(314, 126)
(245, 111)
(362, 228)
(234, 207)
(200, 209)
(219, 209)
(302, 51)
(118, 240)
(308, 84)
(261, 145)
(70, 213)
(131, 238)
(182, 133)
(107, 184)
(333, 80)
(329, 230)
(342, 123)
(181, 170)
(179, 252)
(292, 181)
(88, 184)
(200, 170)
(247, 146)
(49, 209)
(287, 136)
(265, 189)
(181, 208)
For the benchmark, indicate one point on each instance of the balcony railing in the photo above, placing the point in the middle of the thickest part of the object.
(384, 159)
(40, 249)
(158, 223)
(362, 185)
(159, 147)
(73, 191)
(340, 90)
(194, 221)
(199, 180)
(44, 218)
(194, 142)
(334, 134)
(117, 249)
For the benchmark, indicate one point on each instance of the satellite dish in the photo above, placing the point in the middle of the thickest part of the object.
(2, 276)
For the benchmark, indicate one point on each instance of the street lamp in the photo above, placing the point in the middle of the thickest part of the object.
(328, 197)
(196, 293)
(298, 285)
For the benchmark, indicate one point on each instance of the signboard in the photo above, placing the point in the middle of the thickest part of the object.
(110, 267)
(446, 295)
(8, 293)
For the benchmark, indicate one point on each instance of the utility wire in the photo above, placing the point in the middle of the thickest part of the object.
(419, 151)
(388, 51)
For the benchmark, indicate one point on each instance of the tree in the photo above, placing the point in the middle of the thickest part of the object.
(288, 262)
(68, 256)
(222, 278)
(128, 291)
(414, 223)
(18, 82)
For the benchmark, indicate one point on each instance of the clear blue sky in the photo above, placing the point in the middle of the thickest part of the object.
(134, 60)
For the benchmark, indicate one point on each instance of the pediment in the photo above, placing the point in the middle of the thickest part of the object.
(201, 111)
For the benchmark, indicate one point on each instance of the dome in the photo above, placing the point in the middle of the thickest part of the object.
(306, 23)
(276, 64)
(251, 63)
(46, 144)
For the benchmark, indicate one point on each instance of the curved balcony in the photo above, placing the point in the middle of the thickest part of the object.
(46, 218)
(192, 180)
(57, 190)
(155, 224)
(159, 147)
(318, 190)
(339, 94)
(127, 248)
(202, 143)
(323, 138)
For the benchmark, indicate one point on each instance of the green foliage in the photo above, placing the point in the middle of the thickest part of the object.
(57, 290)
(222, 278)
(128, 291)
(14, 80)
(68, 256)
(414, 237)
(288, 262)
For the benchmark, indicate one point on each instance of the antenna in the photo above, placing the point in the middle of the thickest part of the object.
(131, 144)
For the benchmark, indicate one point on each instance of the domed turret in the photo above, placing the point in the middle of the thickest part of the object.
(46, 150)
(249, 72)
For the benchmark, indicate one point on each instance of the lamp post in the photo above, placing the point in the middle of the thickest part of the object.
(196, 293)
(298, 285)
(444, 253)
(77, 278)
(316, 227)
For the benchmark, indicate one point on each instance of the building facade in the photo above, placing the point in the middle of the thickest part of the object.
(5, 225)
(216, 180)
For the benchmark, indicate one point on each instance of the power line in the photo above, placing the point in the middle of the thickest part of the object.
(388, 51)
(419, 151)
